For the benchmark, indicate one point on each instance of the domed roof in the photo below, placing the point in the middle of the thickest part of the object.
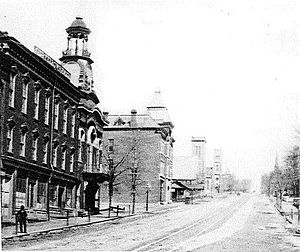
(78, 25)
(78, 22)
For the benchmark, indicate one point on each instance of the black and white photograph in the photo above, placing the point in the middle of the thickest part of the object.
(150, 125)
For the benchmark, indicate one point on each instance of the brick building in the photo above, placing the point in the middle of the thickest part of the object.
(50, 130)
(148, 140)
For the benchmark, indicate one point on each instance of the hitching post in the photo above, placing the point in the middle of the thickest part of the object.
(16, 224)
(67, 217)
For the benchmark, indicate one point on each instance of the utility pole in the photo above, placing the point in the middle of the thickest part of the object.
(51, 151)
(111, 173)
(134, 179)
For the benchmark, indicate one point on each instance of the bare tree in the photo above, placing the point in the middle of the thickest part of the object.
(117, 165)
(135, 172)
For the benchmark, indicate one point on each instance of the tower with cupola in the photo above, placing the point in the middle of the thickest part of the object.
(76, 58)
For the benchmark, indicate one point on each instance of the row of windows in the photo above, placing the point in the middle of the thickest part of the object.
(47, 108)
(34, 148)
(94, 152)
(35, 194)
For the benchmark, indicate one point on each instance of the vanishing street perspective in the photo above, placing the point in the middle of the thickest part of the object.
(150, 125)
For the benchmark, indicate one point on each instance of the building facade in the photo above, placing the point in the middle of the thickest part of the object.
(217, 170)
(146, 142)
(199, 151)
(50, 133)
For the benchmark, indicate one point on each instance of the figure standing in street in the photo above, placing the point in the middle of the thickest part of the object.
(22, 217)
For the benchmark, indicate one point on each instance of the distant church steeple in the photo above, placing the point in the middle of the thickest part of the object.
(76, 58)
(276, 166)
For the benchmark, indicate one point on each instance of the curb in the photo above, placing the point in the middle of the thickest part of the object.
(64, 228)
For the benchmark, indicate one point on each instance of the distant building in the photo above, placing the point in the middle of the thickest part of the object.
(199, 151)
(50, 129)
(217, 170)
(151, 134)
(185, 167)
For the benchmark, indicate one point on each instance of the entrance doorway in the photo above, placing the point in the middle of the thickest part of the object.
(90, 200)
(61, 201)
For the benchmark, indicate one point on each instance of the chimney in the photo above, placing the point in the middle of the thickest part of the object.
(133, 122)
(105, 116)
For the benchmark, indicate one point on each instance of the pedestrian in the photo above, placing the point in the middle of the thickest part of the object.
(22, 217)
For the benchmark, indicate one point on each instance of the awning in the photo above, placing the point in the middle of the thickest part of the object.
(96, 177)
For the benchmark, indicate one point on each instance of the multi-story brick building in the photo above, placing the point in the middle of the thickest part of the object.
(147, 138)
(50, 130)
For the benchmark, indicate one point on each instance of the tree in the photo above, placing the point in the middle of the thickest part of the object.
(121, 160)
(117, 165)
(291, 172)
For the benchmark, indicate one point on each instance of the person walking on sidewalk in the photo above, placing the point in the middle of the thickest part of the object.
(22, 217)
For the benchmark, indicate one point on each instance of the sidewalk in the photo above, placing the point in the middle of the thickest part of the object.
(290, 213)
(56, 225)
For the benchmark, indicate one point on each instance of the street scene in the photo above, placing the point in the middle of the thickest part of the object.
(150, 125)
(232, 223)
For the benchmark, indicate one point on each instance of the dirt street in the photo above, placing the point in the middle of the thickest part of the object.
(245, 223)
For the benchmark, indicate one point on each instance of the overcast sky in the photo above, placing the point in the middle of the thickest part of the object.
(227, 70)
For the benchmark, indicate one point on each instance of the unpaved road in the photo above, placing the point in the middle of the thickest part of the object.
(206, 226)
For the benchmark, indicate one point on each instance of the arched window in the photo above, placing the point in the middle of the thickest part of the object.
(81, 138)
(93, 145)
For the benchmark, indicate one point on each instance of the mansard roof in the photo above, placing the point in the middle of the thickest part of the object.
(142, 120)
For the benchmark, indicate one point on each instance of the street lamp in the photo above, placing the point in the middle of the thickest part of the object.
(148, 188)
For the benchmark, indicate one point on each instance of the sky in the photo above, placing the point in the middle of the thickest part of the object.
(226, 69)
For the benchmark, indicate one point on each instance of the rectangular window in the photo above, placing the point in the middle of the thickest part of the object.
(80, 151)
(162, 147)
(20, 192)
(110, 144)
(5, 189)
(52, 195)
(71, 162)
(63, 159)
(24, 98)
(73, 126)
(34, 148)
(23, 144)
(30, 198)
(45, 152)
(11, 92)
(41, 195)
(65, 120)
(162, 167)
(56, 113)
(55, 157)
(47, 110)
(9, 137)
(36, 103)
(69, 197)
